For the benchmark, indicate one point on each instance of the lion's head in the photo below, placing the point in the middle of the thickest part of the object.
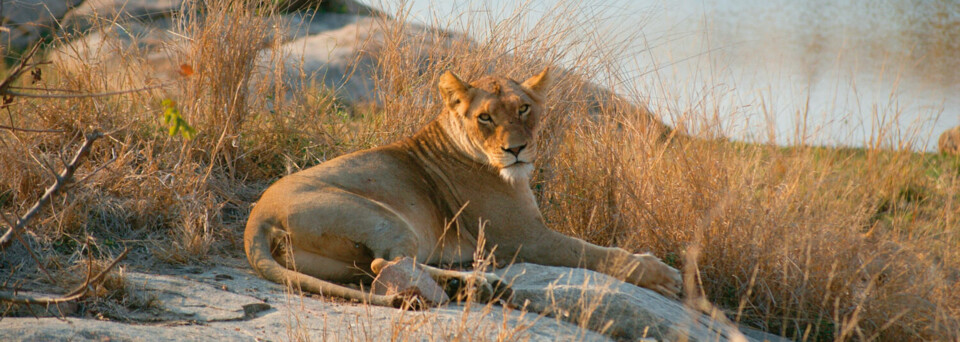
(495, 120)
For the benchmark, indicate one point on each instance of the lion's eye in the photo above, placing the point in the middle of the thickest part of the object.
(524, 109)
(484, 118)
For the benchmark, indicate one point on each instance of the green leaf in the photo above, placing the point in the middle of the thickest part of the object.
(175, 121)
(186, 131)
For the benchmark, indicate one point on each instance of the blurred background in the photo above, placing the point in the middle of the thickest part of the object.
(816, 72)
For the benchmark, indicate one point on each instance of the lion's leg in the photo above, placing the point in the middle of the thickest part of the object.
(488, 286)
(443, 275)
(336, 235)
(325, 268)
(552, 248)
(479, 286)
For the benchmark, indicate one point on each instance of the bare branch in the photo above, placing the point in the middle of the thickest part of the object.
(59, 182)
(83, 95)
(10, 128)
(82, 289)
(21, 68)
(98, 169)
(48, 89)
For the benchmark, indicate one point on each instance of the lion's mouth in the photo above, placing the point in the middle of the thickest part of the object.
(511, 161)
(517, 163)
(517, 171)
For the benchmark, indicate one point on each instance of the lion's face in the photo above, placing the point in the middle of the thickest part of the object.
(495, 120)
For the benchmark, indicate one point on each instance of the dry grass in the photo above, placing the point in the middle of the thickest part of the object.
(812, 243)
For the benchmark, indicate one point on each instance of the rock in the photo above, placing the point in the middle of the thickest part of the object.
(29, 20)
(126, 55)
(302, 24)
(224, 303)
(603, 303)
(949, 142)
(84, 16)
(178, 299)
(332, 59)
(230, 304)
(136, 53)
(343, 60)
(331, 6)
(759, 335)
(338, 52)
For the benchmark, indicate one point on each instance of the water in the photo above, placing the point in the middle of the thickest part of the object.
(815, 72)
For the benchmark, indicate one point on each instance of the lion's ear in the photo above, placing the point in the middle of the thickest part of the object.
(453, 90)
(540, 83)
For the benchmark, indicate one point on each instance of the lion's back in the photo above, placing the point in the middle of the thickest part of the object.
(385, 174)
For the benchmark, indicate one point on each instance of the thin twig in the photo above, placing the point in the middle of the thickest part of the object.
(59, 181)
(21, 68)
(10, 128)
(85, 95)
(46, 166)
(48, 89)
(77, 293)
(82, 289)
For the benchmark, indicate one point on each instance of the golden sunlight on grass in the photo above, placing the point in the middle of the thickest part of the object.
(809, 242)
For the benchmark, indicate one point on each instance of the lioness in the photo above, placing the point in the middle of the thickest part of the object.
(472, 164)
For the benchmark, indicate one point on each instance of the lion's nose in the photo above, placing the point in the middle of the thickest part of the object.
(516, 150)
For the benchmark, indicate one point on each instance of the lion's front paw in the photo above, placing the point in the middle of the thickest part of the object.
(482, 287)
(494, 289)
(411, 299)
(658, 276)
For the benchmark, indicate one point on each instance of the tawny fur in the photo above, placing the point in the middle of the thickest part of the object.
(327, 224)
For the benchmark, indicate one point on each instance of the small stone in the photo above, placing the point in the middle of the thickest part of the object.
(251, 310)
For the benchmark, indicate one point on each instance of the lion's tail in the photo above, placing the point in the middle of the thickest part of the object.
(258, 242)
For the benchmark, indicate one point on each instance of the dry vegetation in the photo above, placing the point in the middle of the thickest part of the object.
(812, 243)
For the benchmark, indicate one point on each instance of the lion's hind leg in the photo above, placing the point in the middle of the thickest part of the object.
(326, 268)
(336, 235)
(261, 245)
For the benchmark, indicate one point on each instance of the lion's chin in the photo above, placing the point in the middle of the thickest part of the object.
(517, 173)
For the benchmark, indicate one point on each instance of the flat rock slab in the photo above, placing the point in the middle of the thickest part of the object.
(325, 46)
(605, 304)
(231, 304)
(121, 10)
(344, 60)
(181, 299)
